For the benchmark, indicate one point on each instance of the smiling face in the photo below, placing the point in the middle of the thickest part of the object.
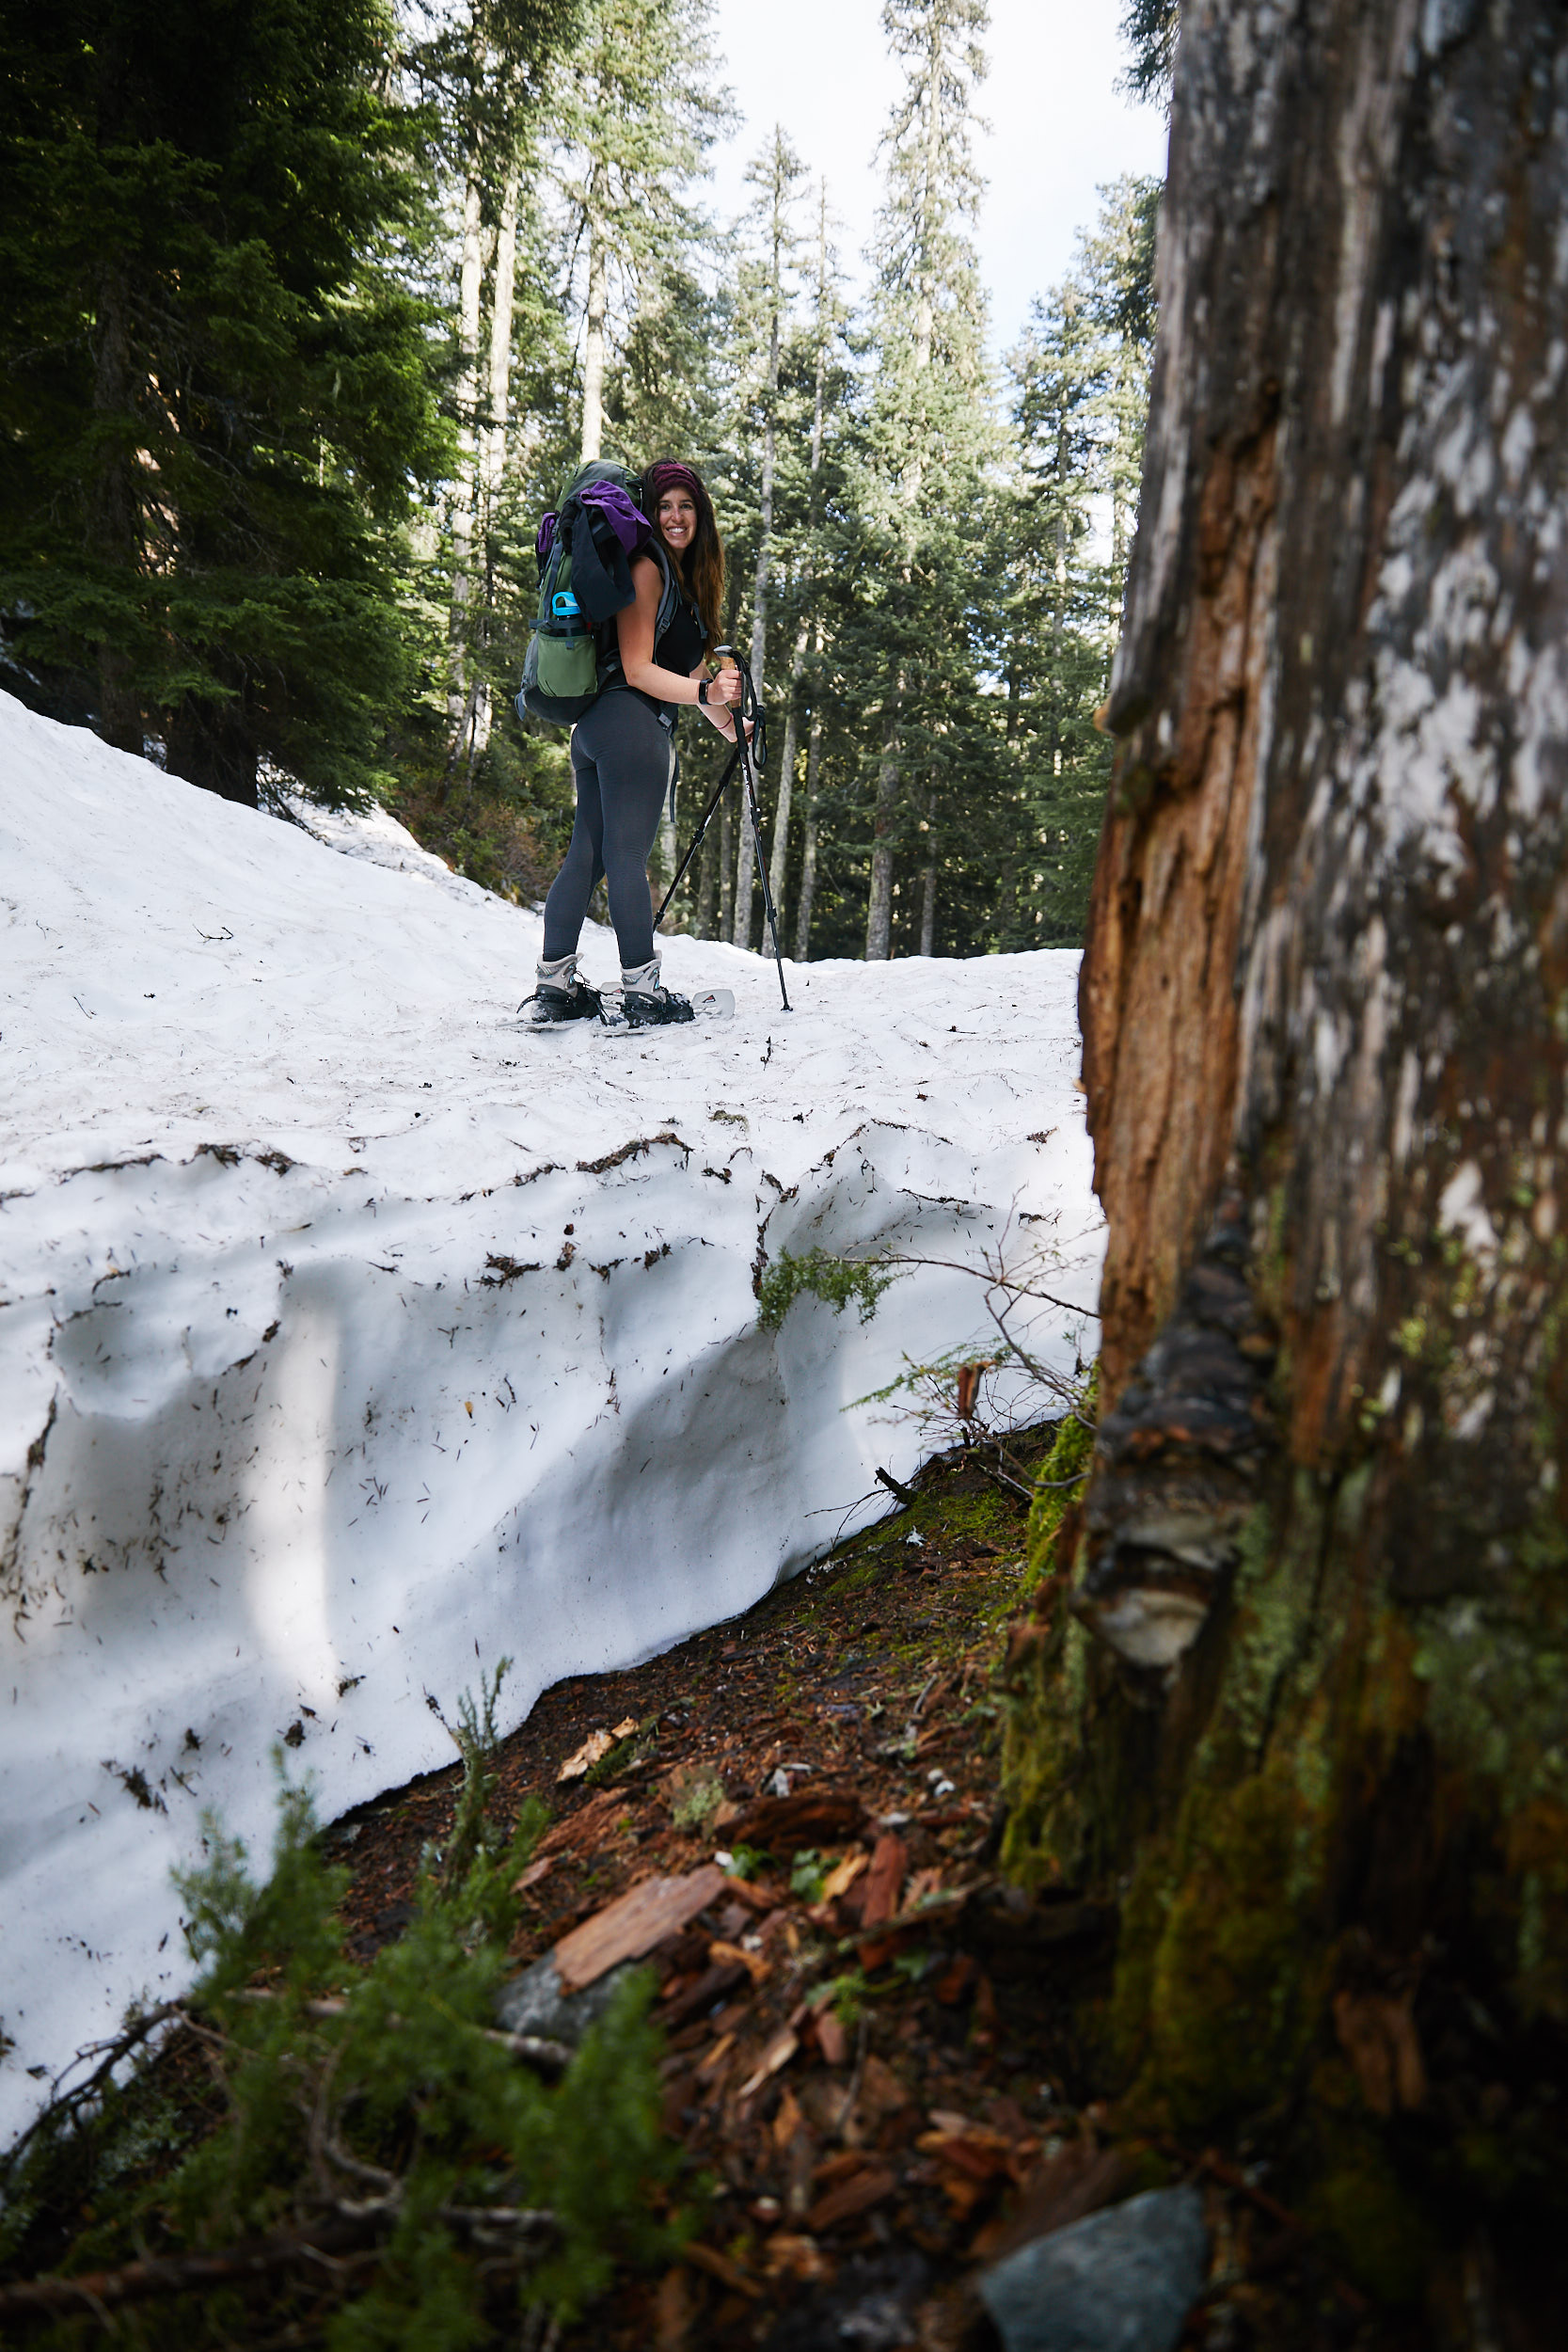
(676, 520)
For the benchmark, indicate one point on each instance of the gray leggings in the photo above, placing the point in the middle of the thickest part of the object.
(621, 765)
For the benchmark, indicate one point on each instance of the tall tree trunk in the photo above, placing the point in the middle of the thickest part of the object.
(743, 896)
(471, 285)
(707, 888)
(928, 906)
(878, 913)
(498, 414)
(808, 846)
(1305, 1660)
(778, 856)
(745, 877)
(879, 917)
(727, 868)
(593, 326)
(805, 636)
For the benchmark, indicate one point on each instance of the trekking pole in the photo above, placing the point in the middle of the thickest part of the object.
(750, 708)
(718, 795)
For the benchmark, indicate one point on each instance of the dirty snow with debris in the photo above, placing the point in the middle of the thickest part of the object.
(351, 1338)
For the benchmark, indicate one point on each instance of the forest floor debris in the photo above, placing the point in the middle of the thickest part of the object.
(877, 2062)
(875, 2047)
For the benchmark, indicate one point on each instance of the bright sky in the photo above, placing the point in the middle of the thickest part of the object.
(1059, 126)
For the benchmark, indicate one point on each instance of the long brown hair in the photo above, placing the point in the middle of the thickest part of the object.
(700, 567)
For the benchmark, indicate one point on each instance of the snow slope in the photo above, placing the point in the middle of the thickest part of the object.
(351, 1337)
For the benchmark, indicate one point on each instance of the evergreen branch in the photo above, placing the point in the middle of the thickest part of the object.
(536, 2050)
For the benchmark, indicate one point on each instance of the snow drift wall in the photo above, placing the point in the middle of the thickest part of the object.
(350, 1338)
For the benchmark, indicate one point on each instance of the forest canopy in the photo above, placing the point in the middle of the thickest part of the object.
(313, 308)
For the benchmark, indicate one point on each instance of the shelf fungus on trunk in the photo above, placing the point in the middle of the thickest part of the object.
(1176, 1465)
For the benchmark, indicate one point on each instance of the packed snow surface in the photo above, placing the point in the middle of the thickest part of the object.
(351, 1338)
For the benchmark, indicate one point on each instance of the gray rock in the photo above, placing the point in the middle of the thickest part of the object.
(1123, 2280)
(538, 2003)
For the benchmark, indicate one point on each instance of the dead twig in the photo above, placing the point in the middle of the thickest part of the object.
(68, 2101)
(1009, 1487)
(895, 1486)
(534, 2049)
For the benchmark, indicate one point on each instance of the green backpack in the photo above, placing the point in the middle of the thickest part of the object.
(584, 550)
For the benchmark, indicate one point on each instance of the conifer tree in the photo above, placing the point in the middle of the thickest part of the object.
(927, 430)
(637, 104)
(1081, 391)
(776, 174)
(827, 323)
(488, 68)
(217, 387)
(1150, 28)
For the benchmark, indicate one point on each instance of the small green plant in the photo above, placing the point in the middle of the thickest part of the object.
(747, 1862)
(698, 1802)
(375, 2109)
(848, 1995)
(476, 1869)
(807, 1876)
(834, 1280)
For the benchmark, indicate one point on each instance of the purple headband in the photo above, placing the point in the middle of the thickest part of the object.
(668, 475)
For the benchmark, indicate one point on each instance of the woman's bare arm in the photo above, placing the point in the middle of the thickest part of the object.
(635, 625)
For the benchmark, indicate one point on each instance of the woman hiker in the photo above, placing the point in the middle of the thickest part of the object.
(620, 754)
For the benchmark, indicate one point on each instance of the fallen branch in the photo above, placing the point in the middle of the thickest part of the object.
(101, 2291)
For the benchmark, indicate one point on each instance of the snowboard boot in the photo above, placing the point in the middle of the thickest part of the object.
(645, 1004)
(559, 995)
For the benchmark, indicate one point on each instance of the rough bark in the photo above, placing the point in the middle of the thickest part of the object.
(1300, 1670)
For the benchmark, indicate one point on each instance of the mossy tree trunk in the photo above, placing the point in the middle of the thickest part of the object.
(1300, 1668)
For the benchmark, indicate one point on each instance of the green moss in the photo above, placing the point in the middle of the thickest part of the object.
(1045, 1739)
(1217, 2008)
(1380, 2234)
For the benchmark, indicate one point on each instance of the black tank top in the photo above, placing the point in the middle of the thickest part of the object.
(680, 648)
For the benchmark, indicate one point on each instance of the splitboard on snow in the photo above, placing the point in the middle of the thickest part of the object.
(707, 1003)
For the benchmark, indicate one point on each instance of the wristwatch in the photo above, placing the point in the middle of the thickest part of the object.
(701, 690)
